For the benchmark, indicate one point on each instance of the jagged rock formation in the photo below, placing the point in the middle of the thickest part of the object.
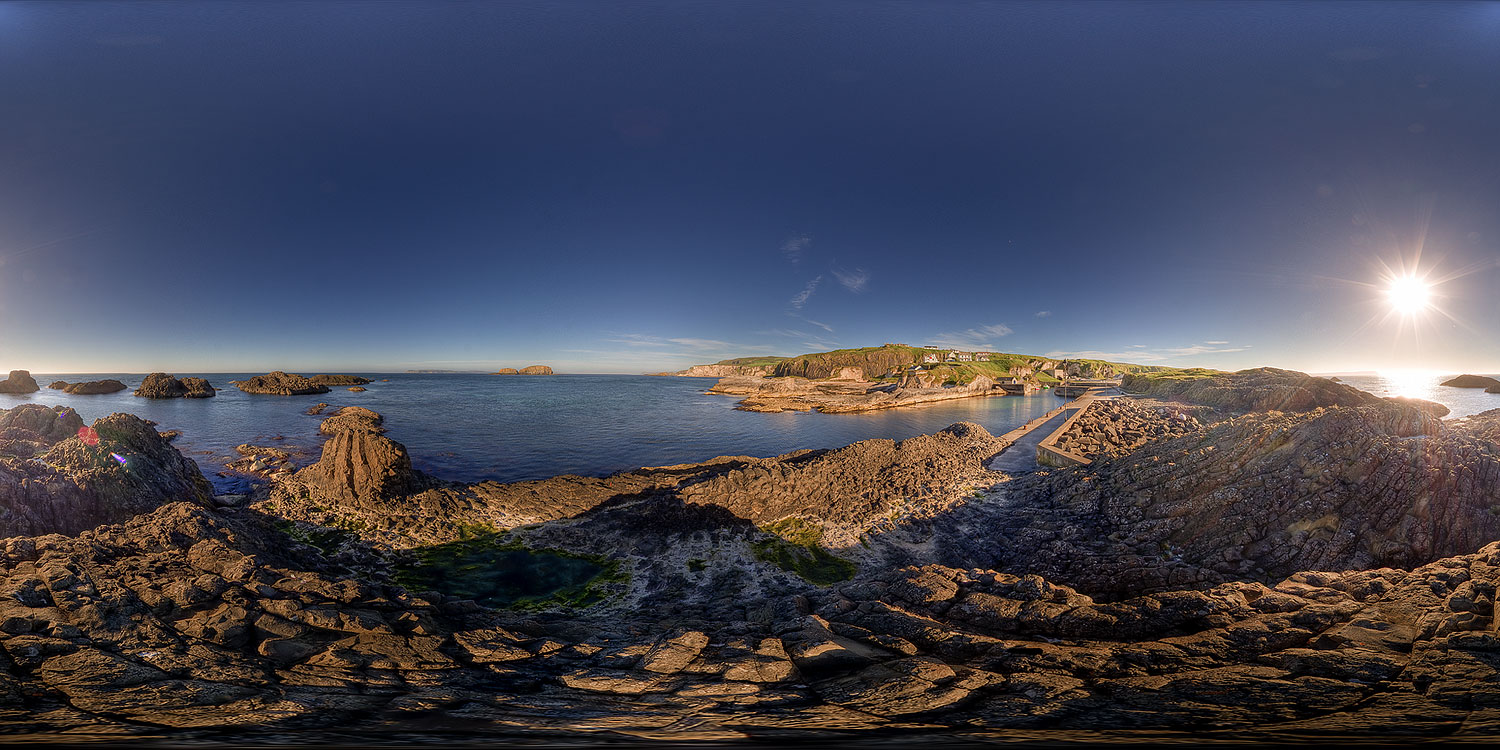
(1116, 427)
(1472, 381)
(536, 370)
(162, 385)
(279, 383)
(507, 371)
(89, 388)
(19, 381)
(1257, 497)
(340, 380)
(81, 477)
(30, 429)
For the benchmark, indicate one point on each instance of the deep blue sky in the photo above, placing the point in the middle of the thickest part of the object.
(631, 186)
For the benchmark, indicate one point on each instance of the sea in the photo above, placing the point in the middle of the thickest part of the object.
(473, 427)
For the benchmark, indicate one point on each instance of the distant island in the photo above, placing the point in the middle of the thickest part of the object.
(528, 370)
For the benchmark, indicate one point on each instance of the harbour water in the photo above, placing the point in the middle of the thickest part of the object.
(471, 427)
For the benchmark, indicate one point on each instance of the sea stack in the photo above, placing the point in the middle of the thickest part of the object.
(20, 381)
(529, 370)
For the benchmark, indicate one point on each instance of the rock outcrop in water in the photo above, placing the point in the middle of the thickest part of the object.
(340, 380)
(279, 383)
(19, 381)
(536, 370)
(91, 387)
(1472, 381)
(57, 476)
(162, 385)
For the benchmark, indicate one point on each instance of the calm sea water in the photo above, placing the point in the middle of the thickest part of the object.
(1462, 402)
(508, 428)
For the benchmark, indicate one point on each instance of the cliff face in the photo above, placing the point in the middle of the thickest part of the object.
(874, 362)
(722, 371)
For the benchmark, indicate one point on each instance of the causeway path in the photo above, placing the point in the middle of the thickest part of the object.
(1020, 456)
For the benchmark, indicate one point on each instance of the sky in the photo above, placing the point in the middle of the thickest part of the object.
(642, 186)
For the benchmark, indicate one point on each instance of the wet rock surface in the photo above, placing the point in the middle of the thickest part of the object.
(162, 385)
(279, 383)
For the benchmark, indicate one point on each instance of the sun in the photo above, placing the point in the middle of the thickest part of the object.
(1408, 295)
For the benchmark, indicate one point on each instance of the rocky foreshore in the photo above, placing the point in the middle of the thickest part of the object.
(1216, 573)
(846, 392)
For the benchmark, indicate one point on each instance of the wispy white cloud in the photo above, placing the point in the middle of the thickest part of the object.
(823, 326)
(1196, 349)
(794, 246)
(1044, 314)
(854, 281)
(983, 337)
(800, 299)
(1216, 343)
(701, 343)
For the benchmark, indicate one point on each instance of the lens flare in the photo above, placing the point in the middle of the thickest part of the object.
(1409, 295)
(88, 435)
(118, 457)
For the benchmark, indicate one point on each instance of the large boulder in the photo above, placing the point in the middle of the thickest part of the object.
(20, 381)
(507, 371)
(162, 385)
(106, 473)
(279, 383)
